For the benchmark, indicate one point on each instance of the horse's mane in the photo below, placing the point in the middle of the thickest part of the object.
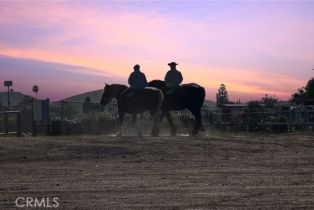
(118, 85)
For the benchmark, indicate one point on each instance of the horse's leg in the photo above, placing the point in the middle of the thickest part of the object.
(173, 127)
(121, 118)
(156, 121)
(198, 121)
(134, 122)
(161, 117)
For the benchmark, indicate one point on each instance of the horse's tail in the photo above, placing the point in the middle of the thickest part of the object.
(160, 100)
(202, 95)
(155, 131)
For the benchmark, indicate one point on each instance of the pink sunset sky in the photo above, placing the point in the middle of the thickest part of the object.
(254, 48)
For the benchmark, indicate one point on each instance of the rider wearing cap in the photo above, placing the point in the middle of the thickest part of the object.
(137, 79)
(173, 78)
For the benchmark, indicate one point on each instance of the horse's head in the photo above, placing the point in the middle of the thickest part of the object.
(110, 92)
(107, 95)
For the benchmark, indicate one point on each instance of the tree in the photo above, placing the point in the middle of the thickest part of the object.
(309, 88)
(269, 101)
(304, 95)
(298, 96)
(254, 105)
(35, 90)
(222, 96)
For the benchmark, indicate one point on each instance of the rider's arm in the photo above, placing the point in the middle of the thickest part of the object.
(167, 78)
(180, 78)
(145, 80)
(131, 80)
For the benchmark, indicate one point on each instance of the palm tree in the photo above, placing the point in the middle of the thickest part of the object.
(35, 90)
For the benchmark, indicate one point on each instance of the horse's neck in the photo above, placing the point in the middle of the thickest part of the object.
(120, 89)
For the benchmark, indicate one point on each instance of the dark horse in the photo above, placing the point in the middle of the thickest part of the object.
(187, 96)
(148, 99)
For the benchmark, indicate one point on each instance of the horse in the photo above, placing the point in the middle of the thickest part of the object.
(148, 99)
(188, 96)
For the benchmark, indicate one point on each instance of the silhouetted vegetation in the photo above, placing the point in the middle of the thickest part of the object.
(222, 96)
(254, 105)
(310, 89)
(304, 95)
(269, 101)
(279, 124)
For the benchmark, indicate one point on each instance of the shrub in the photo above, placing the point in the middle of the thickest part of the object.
(280, 124)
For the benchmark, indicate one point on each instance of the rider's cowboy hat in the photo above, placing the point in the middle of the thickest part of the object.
(172, 64)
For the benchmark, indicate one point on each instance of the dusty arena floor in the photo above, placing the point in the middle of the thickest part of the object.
(214, 172)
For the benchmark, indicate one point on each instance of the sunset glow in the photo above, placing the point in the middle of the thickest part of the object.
(254, 48)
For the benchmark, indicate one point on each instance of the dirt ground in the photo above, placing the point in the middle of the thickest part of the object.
(219, 171)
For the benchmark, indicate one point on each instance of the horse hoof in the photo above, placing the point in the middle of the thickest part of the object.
(155, 134)
(194, 133)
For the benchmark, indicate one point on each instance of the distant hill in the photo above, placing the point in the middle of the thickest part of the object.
(94, 96)
(15, 98)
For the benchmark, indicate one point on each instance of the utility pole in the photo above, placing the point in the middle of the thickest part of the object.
(8, 84)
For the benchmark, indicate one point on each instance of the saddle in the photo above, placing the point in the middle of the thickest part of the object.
(128, 93)
(168, 91)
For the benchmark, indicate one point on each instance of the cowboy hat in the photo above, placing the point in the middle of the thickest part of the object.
(172, 64)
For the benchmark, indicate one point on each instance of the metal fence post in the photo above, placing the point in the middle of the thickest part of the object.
(289, 121)
(18, 123)
(6, 124)
(33, 120)
(62, 110)
(307, 119)
(248, 116)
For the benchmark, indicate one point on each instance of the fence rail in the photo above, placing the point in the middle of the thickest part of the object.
(80, 117)
(7, 121)
(241, 119)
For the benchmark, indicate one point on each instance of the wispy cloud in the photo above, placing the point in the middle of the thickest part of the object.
(253, 47)
(55, 80)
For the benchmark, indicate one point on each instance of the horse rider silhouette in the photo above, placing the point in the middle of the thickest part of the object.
(173, 78)
(137, 81)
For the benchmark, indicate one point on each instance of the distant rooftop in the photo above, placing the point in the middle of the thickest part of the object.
(235, 105)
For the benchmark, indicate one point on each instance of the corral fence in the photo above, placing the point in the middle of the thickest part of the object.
(34, 117)
(266, 119)
(10, 123)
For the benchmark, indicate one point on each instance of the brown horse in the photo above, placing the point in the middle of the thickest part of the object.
(188, 96)
(147, 99)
